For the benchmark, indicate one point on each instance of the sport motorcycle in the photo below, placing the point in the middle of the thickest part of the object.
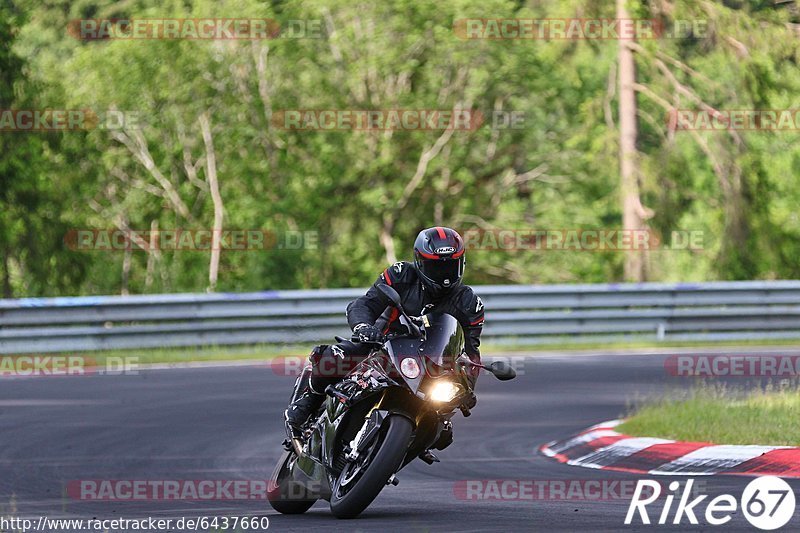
(394, 406)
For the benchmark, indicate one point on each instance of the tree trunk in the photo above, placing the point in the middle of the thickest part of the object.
(386, 238)
(632, 219)
(152, 255)
(123, 223)
(126, 270)
(216, 199)
(7, 291)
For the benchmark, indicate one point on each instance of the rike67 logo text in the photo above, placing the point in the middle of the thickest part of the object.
(767, 502)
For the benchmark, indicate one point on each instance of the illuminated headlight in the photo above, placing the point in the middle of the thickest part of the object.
(409, 367)
(444, 391)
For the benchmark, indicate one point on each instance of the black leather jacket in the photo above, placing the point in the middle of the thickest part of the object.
(461, 302)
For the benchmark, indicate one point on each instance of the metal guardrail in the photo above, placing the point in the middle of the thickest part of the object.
(526, 314)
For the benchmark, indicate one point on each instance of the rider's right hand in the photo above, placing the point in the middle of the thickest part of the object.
(367, 333)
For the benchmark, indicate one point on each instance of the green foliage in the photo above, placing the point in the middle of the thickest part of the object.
(558, 171)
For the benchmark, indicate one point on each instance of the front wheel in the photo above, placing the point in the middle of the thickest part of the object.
(362, 480)
(286, 495)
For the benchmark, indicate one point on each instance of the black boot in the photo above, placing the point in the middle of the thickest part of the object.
(445, 438)
(303, 404)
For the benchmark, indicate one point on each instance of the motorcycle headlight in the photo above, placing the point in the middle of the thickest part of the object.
(444, 391)
(409, 367)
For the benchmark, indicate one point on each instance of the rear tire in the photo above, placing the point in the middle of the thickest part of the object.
(286, 495)
(385, 461)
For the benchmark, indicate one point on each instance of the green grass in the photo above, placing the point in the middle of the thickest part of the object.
(568, 344)
(722, 415)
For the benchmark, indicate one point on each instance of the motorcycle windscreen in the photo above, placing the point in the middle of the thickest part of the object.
(444, 342)
(436, 354)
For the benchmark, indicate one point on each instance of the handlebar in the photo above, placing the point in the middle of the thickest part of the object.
(417, 322)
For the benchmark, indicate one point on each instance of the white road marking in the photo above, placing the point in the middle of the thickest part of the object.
(712, 459)
(614, 452)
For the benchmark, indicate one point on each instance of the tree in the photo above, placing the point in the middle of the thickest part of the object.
(633, 213)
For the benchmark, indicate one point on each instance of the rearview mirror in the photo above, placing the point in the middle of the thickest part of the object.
(502, 370)
(390, 293)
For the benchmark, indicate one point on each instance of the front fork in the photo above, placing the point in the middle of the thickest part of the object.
(371, 427)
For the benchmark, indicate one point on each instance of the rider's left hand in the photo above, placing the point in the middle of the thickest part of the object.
(367, 333)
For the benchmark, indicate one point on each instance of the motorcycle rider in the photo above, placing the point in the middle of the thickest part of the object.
(432, 283)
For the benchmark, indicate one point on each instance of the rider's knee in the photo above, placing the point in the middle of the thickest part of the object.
(318, 384)
(317, 353)
(328, 367)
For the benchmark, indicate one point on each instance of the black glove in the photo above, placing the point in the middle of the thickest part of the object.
(367, 333)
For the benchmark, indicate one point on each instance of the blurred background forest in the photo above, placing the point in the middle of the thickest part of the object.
(367, 193)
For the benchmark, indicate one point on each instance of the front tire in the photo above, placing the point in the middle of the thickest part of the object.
(384, 460)
(284, 494)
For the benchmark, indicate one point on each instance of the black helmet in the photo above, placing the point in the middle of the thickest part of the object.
(439, 258)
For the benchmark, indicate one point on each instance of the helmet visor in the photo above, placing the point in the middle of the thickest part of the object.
(445, 272)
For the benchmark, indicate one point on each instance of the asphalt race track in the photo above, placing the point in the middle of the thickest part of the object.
(226, 423)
